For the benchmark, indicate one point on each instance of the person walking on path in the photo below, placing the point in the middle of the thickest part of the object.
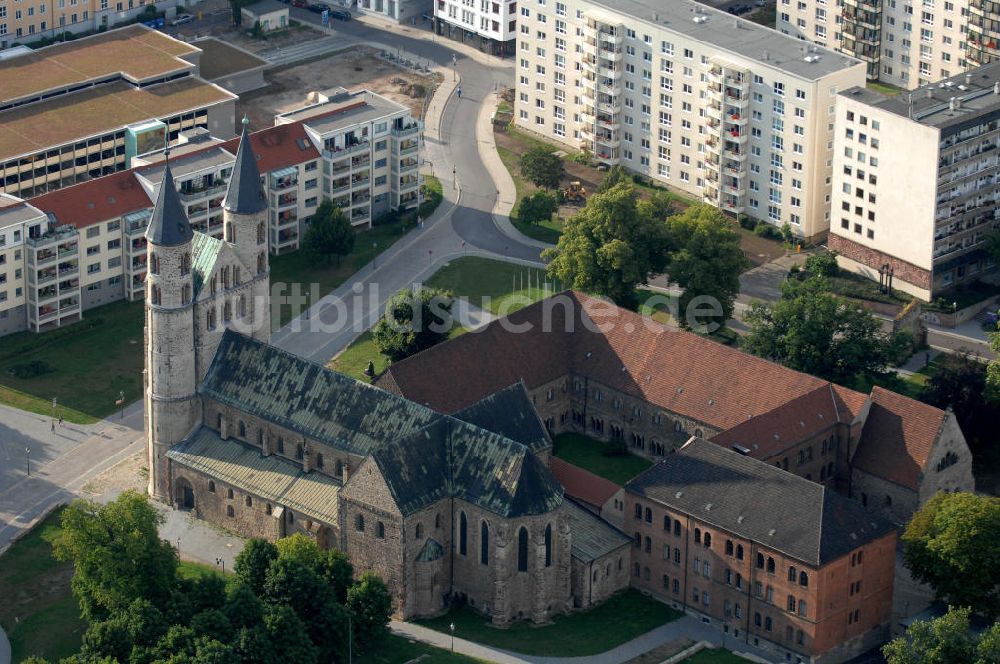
(459, 90)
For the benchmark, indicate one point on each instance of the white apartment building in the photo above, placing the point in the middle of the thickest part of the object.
(82, 246)
(906, 43)
(917, 182)
(370, 148)
(490, 23)
(726, 110)
(402, 11)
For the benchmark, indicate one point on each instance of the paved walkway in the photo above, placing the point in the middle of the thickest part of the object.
(685, 627)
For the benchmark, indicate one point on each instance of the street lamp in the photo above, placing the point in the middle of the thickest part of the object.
(221, 561)
(121, 403)
(430, 255)
(452, 628)
(27, 459)
(374, 255)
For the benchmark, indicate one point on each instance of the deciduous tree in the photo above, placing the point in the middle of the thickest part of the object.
(413, 321)
(541, 166)
(252, 563)
(953, 544)
(538, 207)
(329, 234)
(611, 246)
(370, 603)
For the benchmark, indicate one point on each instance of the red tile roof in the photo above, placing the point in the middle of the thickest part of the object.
(849, 403)
(278, 147)
(898, 437)
(583, 484)
(97, 200)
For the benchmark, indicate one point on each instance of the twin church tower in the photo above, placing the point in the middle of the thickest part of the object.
(197, 286)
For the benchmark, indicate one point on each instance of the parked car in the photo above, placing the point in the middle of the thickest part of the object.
(300, 3)
(318, 7)
(340, 14)
(182, 19)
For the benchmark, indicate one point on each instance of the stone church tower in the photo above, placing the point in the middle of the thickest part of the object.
(171, 402)
(196, 287)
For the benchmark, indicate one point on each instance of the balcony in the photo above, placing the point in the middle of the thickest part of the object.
(286, 218)
(339, 152)
(360, 180)
(362, 199)
(189, 194)
(408, 130)
(282, 183)
(340, 186)
(55, 235)
(361, 162)
(408, 165)
(287, 199)
(408, 182)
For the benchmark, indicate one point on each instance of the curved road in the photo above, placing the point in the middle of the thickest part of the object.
(463, 225)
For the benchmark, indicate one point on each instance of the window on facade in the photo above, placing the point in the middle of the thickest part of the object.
(803, 579)
(548, 545)
(319, 461)
(792, 572)
(729, 547)
(666, 523)
(739, 552)
(211, 486)
(638, 511)
(230, 511)
(760, 561)
(229, 494)
(299, 451)
(708, 540)
(380, 530)
(649, 515)
(802, 607)
(484, 543)
(269, 509)
(522, 551)
(770, 565)
(677, 528)
(437, 520)
(697, 535)
(359, 523)
(242, 429)
(463, 534)
(790, 604)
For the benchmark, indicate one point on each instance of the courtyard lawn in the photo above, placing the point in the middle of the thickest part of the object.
(618, 620)
(592, 455)
(38, 611)
(400, 650)
(292, 273)
(495, 286)
(714, 656)
(85, 365)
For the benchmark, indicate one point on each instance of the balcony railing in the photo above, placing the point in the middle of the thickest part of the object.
(408, 130)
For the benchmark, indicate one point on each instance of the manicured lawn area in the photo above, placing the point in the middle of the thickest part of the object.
(496, 286)
(86, 365)
(714, 656)
(354, 360)
(548, 231)
(620, 619)
(590, 454)
(38, 611)
(293, 274)
(398, 650)
(884, 88)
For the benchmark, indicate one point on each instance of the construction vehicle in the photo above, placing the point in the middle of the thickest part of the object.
(574, 193)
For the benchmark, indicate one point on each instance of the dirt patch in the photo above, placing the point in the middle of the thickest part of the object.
(759, 250)
(130, 473)
(359, 68)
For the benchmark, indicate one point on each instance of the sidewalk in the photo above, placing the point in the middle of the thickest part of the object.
(684, 627)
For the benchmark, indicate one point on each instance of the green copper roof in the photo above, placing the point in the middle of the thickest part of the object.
(272, 478)
(454, 458)
(431, 551)
(593, 537)
(204, 253)
(307, 397)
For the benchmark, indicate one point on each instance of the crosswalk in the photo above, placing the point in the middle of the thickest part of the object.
(280, 57)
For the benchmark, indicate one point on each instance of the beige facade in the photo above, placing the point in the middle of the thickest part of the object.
(906, 44)
(725, 110)
(915, 183)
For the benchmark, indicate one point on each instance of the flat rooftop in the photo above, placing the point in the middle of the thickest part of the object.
(220, 59)
(96, 111)
(975, 92)
(734, 35)
(183, 165)
(344, 110)
(136, 52)
(15, 211)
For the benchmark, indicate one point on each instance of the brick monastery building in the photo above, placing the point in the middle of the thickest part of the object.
(438, 478)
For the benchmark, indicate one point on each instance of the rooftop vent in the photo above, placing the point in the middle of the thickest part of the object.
(930, 92)
(700, 19)
(678, 494)
(742, 450)
(968, 79)
(777, 436)
(996, 88)
(771, 532)
(811, 58)
(765, 55)
(708, 508)
(739, 519)
(680, 390)
(711, 402)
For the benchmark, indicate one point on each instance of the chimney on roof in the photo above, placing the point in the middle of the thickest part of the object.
(930, 92)
(952, 104)
(765, 56)
(996, 88)
(968, 79)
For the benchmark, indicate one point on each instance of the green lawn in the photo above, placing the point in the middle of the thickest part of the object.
(620, 619)
(548, 231)
(884, 88)
(38, 611)
(399, 650)
(590, 454)
(298, 276)
(89, 364)
(354, 359)
(766, 16)
(496, 286)
(714, 656)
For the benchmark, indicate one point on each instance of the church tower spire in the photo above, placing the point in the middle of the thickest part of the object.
(245, 195)
(169, 378)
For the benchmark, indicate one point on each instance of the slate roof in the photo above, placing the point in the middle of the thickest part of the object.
(245, 194)
(897, 438)
(453, 458)
(307, 397)
(593, 537)
(204, 254)
(509, 413)
(581, 484)
(272, 478)
(759, 502)
(168, 225)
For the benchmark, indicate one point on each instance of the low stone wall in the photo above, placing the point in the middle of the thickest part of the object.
(956, 318)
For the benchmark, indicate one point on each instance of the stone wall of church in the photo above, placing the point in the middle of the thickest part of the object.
(949, 465)
(428, 582)
(595, 581)
(243, 513)
(889, 500)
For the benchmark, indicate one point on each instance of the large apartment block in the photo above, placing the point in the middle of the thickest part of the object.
(917, 182)
(83, 109)
(724, 109)
(907, 43)
(82, 246)
(491, 23)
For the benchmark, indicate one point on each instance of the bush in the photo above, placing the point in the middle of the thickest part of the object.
(31, 369)
(766, 230)
(824, 264)
(748, 222)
